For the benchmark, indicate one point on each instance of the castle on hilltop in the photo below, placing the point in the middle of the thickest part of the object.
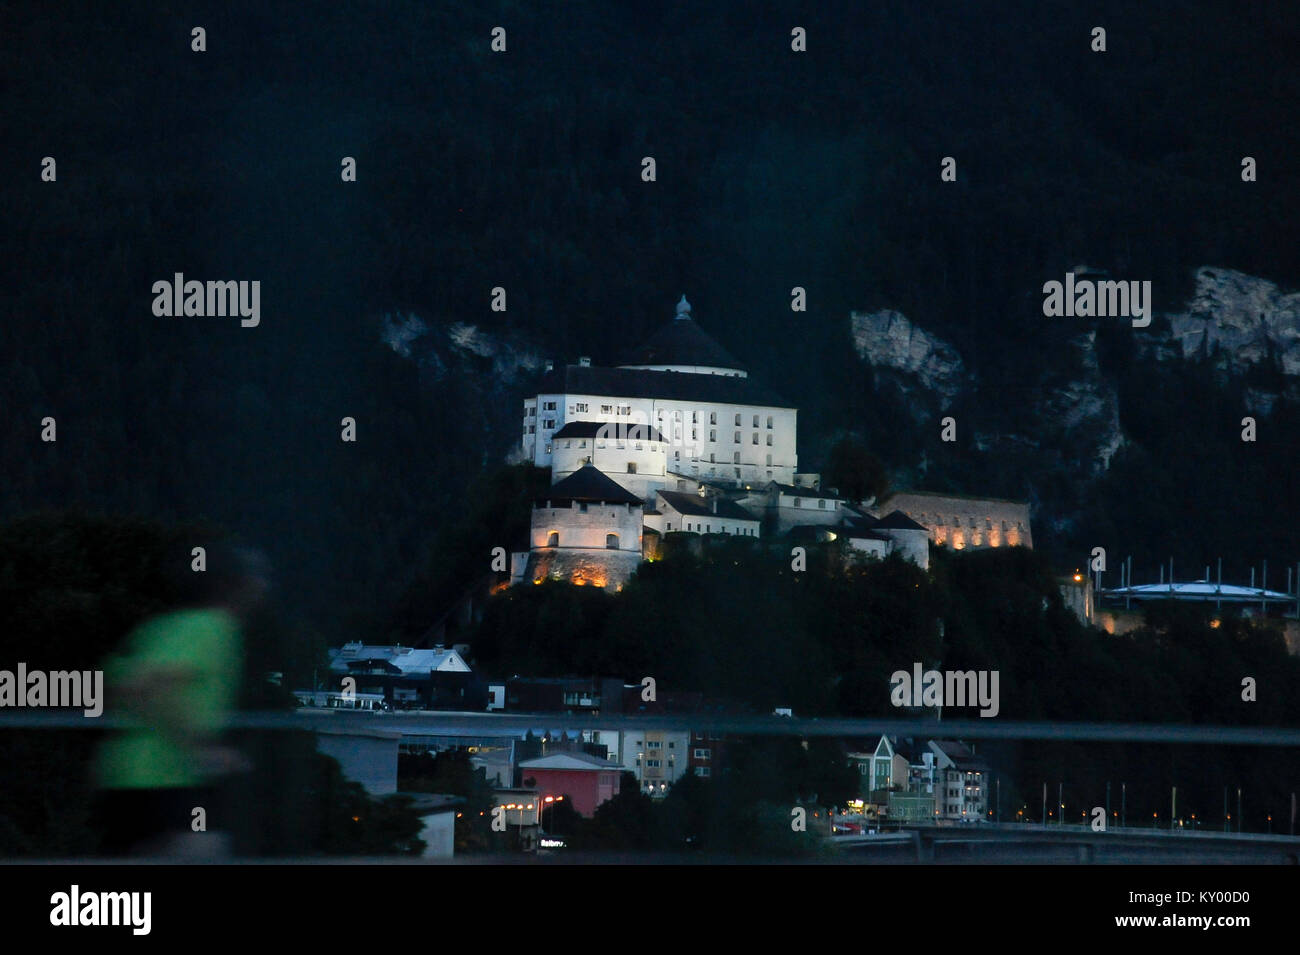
(679, 439)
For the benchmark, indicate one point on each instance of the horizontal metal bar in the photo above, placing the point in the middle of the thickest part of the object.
(506, 725)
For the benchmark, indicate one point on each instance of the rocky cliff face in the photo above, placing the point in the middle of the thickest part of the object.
(1238, 320)
(1080, 413)
(479, 376)
(442, 349)
(1235, 320)
(891, 343)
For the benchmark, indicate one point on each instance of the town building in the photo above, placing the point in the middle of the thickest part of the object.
(402, 677)
(585, 780)
(962, 782)
(658, 758)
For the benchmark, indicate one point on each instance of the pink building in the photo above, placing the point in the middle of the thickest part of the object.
(587, 781)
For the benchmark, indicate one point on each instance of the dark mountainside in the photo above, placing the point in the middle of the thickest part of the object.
(523, 171)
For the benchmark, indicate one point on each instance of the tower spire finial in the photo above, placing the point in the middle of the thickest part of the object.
(683, 308)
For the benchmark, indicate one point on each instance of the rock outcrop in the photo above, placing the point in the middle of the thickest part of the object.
(892, 343)
(1238, 320)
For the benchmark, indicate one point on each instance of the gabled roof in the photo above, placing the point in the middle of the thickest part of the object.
(671, 385)
(857, 524)
(401, 659)
(574, 760)
(591, 485)
(898, 521)
(959, 754)
(697, 506)
(612, 430)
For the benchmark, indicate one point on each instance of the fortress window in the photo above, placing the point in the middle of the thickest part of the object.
(755, 421)
(611, 541)
(735, 458)
(737, 423)
(631, 467)
(769, 440)
(582, 407)
(769, 462)
(606, 409)
(712, 460)
(695, 417)
(737, 438)
(797, 502)
(713, 417)
(755, 441)
(582, 507)
(713, 435)
(769, 421)
(821, 502)
(553, 540)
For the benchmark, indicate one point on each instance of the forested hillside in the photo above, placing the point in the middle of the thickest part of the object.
(522, 170)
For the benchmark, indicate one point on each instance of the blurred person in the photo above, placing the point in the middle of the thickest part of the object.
(178, 676)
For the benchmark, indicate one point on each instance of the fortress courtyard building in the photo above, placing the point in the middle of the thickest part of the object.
(700, 413)
(961, 522)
